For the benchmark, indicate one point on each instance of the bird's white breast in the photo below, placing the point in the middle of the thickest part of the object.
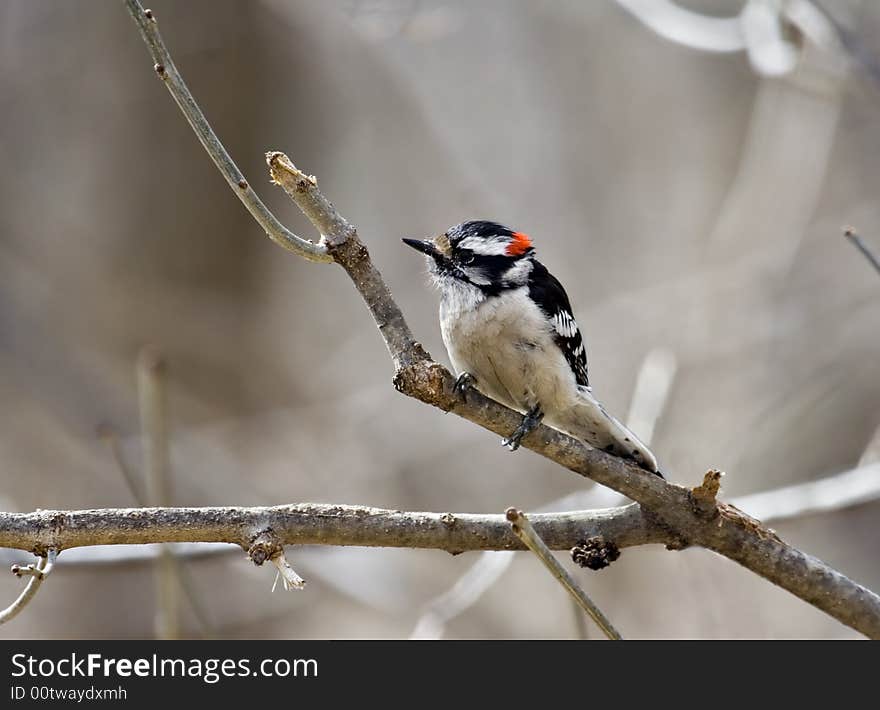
(507, 343)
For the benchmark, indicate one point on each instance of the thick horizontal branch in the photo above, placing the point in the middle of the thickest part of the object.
(317, 524)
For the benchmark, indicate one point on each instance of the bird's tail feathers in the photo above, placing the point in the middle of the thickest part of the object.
(589, 422)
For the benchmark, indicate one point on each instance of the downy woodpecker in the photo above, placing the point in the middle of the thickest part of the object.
(509, 331)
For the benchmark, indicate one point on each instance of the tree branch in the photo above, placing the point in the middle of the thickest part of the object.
(317, 524)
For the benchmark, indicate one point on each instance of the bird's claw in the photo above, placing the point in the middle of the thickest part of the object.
(513, 441)
(464, 382)
(528, 424)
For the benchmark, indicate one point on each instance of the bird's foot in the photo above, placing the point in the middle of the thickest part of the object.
(464, 382)
(529, 423)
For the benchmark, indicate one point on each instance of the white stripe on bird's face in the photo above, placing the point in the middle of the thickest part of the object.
(486, 246)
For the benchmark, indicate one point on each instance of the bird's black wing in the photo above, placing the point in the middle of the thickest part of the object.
(547, 292)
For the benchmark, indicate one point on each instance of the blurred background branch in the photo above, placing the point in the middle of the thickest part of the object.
(859, 243)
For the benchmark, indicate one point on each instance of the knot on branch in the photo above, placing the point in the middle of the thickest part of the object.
(448, 519)
(704, 496)
(427, 381)
(595, 553)
(265, 546)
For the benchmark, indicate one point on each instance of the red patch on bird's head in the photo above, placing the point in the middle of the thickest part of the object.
(519, 244)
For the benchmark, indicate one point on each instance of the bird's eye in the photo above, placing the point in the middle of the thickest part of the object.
(468, 258)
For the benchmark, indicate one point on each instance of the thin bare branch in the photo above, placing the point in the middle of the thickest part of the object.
(523, 529)
(37, 573)
(859, 243)
(167, 71)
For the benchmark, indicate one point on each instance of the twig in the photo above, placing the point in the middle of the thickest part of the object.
(151, 369)
(523, 529)
(165, 69)
(859, 243)
(37, 573)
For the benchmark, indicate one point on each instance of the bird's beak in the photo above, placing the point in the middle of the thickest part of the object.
(426, 246)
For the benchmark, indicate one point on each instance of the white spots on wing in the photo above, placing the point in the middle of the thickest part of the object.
(565, 324)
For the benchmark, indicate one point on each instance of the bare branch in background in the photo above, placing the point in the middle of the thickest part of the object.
(683, 26)
(171, 575)
(860, 485)
(37, 573)
(520, 525)
(770, 31)
(859, 243)
(651, 392)
(152, 396)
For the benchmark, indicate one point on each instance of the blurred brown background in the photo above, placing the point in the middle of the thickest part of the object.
(690, 201)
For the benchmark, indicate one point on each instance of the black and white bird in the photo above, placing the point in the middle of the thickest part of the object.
(509, 330)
